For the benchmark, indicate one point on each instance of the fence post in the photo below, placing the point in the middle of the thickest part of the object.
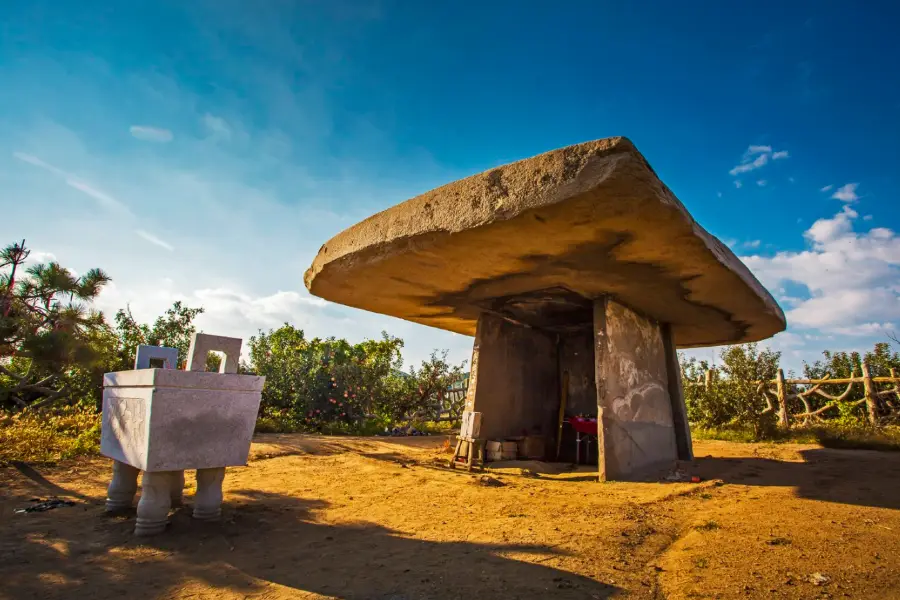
(870, 394)
(896, 383)
(782, 400)
(708, 379)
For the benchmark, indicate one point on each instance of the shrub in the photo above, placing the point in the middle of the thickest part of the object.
(49, 435)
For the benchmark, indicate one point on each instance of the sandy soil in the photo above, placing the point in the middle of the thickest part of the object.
(367, 518)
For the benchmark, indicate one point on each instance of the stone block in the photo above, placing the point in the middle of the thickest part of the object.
(170, 420)
(202, 344)
(471, 425)
(633, 400)
(159, 357)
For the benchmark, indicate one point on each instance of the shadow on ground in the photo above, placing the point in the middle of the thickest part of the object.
(860, 477)
(264, 539)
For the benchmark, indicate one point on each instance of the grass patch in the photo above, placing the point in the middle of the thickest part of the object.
(859, 438)
(708, 526)
(829, 436)
(48, 436)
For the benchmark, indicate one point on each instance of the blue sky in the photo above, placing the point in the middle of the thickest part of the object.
(204, 150)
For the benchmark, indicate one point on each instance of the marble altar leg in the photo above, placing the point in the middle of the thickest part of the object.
(208, 500)
(156, 500)
(177, 491)
(122, 487)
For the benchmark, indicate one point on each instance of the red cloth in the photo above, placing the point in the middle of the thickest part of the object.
(583, 425)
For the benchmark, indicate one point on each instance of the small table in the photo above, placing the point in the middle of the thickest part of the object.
(586, 427)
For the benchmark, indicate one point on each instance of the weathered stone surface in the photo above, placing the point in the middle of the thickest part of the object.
(634, 405)
(203, 343)
(532, 240)
(145, 353)
(170, 420)
(515, 382)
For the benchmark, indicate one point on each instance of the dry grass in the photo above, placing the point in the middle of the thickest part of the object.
(49, 436)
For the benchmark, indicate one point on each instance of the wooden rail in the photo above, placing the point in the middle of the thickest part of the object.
(779, 392)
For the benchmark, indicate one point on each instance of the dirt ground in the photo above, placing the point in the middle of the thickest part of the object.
(317, 517)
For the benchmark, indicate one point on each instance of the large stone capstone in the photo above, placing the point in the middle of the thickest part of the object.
(535, 240)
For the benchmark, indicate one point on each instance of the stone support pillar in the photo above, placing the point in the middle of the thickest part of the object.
(123, 487)
(514, 381)
(636, 428)
(177, 489)
(208, 500)
(156, 500)
(676, 394)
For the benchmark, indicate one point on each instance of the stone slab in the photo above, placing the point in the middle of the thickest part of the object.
(169, 420)
(637, 430)
(529, 239)
(514, 381)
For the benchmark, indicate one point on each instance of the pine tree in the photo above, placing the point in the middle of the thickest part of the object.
(47, 327)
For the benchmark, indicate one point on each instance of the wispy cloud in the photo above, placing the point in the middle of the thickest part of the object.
(756, 163)
(756, 157)
(105, 200)
(846, 193)
(826, 188)
(759, 150)
(154, 240)
(151, 134)
(761, 182)
(217, 128)
(752, 244)
(738, 184)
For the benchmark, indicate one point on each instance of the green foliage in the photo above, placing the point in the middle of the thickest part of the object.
(174, 330)
(849, 364)
(322, 384)
(49, 435)
(732, 401)
(48, 335)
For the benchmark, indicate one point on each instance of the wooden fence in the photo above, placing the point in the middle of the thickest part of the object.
(779, 392)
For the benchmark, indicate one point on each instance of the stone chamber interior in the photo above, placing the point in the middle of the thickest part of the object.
(529, 347)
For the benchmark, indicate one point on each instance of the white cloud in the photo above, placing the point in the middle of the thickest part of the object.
(154, 240)
(759, 150)
(150, 134)
(867, 329)
(756, 163)
(757, 157)
(826, 188)
(737, 183)
(37, 256)
(853, 278)
(752, 244)
(867, 218)
(761, 182)
(216, 127)
(846, 193)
